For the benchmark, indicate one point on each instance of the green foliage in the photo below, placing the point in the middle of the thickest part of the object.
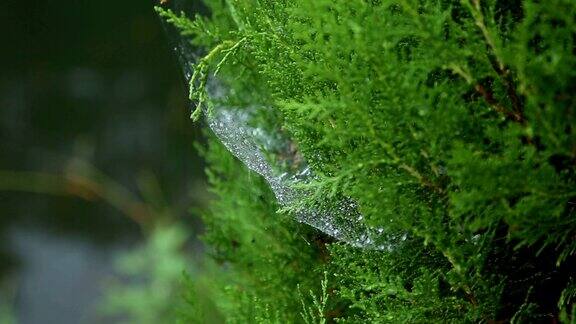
(452, 121)
(259, 257)
(407, 285)
(6, 314)
(156, 271)
(567, 303)
(7, 301)
(315, 313)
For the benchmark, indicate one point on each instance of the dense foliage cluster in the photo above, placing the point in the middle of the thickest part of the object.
(452, 121)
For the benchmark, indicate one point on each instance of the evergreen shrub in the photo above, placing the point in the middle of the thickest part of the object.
(451, 121)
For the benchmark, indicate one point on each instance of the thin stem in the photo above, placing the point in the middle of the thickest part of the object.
(499, 67)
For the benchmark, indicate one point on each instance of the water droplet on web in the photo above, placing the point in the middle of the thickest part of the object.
(255, 145)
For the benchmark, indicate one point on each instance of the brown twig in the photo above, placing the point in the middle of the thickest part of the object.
(424, 181)
(517, 113)
(499, 107)
(506, 79)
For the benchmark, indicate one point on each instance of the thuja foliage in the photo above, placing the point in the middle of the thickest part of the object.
(450, 121)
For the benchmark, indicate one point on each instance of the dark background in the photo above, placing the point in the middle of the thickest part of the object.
(96, 81)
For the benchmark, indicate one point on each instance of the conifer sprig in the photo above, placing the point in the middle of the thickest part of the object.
(449, 120)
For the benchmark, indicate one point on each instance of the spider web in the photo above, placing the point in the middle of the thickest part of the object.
(253, 145)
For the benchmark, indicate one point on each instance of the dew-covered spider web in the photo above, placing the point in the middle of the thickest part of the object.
(254, 146)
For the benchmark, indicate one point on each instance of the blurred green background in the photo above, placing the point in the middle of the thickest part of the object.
(96, 150)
